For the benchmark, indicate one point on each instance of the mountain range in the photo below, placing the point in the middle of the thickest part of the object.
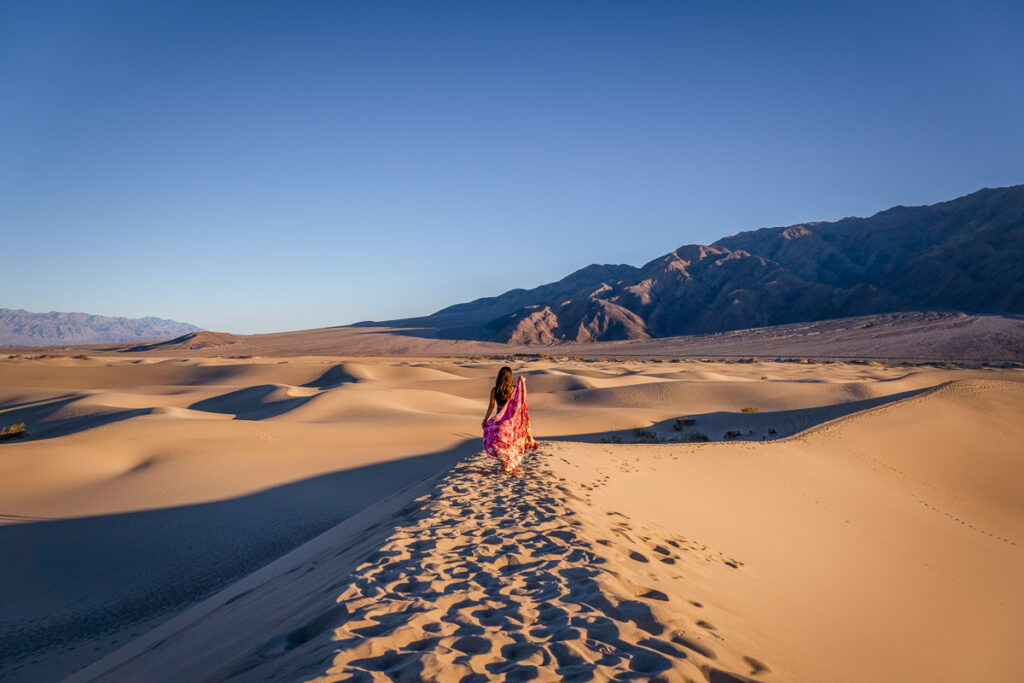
(966, 255)
(23, 328)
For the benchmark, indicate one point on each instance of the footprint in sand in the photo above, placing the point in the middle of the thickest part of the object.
(513, 579)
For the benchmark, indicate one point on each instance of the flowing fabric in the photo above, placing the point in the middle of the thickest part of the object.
(507, 435)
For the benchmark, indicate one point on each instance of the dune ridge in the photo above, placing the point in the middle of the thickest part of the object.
(508, 578)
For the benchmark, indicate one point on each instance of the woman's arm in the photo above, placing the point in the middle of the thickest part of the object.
(490, 407)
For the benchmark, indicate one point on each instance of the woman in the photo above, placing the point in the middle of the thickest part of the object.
(507, 436)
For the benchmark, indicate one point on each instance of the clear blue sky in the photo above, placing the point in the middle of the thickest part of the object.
(268, 166)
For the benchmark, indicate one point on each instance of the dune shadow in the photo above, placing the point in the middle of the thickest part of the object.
(40, 423)
(737, 426)
(450, 328)
(333, 377)
(69, 580)
(199, 375)
(35, 411)
(250, 403)
(39, 402)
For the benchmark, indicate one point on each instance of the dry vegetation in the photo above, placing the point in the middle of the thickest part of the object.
(15, 431)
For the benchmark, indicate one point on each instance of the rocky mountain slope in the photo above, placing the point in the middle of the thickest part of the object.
(23, 328)
(964, 255)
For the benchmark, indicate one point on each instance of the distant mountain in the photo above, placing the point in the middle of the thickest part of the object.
(489, 317)
(965, 255)
(22, 328)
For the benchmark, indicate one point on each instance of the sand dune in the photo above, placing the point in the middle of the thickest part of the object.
(863, 524)
(887, 544)
(521, 579)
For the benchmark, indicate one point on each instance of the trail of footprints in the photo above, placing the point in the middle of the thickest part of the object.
(519, 579)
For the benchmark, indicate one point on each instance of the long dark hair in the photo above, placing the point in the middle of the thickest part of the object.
(503, 385)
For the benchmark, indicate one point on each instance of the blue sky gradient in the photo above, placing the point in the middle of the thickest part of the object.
(256, 167)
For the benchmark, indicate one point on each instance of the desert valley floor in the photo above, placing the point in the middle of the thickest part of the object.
(317, 518)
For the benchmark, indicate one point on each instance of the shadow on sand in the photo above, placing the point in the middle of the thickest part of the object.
(448, 327)
(251, 403)
(40, 423)
(76, 579)
(728, 426)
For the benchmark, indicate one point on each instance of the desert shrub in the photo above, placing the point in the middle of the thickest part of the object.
(683, 422)
(645, 435)
(611, 439)
(772, 431)
(764, 376)
(697, 436)
(81, 356)
(15, 431)
(751, 410)
(729, 435)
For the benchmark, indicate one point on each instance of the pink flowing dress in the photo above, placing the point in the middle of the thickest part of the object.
(507, 435)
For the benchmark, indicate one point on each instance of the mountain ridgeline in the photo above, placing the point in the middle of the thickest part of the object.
(965, 255)
(23, 328)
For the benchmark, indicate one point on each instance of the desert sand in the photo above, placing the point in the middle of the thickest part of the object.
(323, 518)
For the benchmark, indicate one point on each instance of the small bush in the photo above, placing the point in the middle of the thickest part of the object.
(764, 376)
(697, 437)
(751, 410)
(683, 422)
(81, 356)
(772, 431)
(646, 435)
(15, 431)
(730, 435)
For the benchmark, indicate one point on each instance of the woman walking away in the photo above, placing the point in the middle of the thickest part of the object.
(507, 435)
